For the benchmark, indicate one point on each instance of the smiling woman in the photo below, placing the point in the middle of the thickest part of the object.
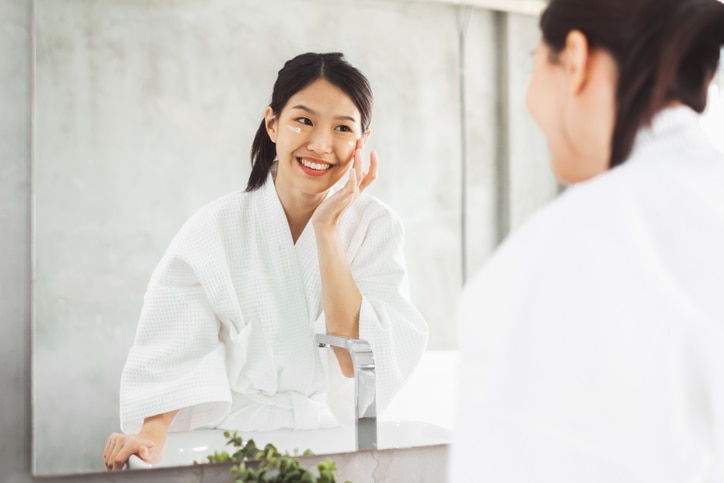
(226, 336)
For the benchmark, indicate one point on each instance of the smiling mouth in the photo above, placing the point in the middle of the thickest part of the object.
(321, 167)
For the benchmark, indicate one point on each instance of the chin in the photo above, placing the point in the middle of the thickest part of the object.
(569, 177)
(562, 169)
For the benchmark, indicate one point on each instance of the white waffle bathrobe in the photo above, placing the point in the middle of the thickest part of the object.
(592, 343)
(226, 333)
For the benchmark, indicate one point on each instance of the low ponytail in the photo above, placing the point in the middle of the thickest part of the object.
(263, 153)
(673, 59)
(691, 50)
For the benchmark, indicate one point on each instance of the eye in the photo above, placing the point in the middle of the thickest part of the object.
(343, 128)
(304, 120)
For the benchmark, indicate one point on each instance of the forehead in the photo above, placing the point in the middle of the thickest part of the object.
(323, 98)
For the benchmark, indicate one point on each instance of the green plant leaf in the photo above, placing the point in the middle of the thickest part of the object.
(278, 467)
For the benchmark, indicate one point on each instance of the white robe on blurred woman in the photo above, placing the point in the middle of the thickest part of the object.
(592, 343)
(227, 328)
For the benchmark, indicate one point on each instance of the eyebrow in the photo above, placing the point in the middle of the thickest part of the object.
(312, 111)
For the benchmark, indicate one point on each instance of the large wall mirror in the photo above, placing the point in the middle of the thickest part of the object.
(145, 111)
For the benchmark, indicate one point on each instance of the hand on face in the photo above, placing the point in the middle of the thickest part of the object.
(120, 447)
(328, 213)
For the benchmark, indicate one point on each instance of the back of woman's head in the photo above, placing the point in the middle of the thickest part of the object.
(297, 74)
(665, 50)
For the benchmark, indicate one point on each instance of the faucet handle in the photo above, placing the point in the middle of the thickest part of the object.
(356, 347)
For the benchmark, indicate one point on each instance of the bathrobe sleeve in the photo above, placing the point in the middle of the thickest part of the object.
(177, 360)
(388, 320)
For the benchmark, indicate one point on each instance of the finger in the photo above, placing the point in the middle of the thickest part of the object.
(357, 158)
(358, 161)
(144, 452)
(107, 448)
(149, 452)
(113, 448)
(120, 457)
(359, 144)
(352, 182)
(111, 443)
(371, 175)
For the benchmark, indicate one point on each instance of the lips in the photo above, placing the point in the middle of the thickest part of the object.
(313, 167)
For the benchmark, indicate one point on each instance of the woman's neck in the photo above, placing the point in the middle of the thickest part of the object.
(298, 207)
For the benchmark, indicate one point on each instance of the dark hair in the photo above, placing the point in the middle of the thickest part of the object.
(665, 50)
(297, 74)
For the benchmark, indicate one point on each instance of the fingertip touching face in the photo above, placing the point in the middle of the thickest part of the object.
(316, 135)
(571, 97)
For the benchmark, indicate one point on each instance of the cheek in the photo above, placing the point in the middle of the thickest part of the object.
(530, 100)
(542, 101)
(283, 142)
(537, 100)
(541, 104)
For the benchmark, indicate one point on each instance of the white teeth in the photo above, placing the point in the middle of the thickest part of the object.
(309, 164)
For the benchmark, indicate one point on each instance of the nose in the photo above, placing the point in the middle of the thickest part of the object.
(320, 141)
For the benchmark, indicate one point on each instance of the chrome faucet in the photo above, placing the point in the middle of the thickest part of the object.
(365, 389)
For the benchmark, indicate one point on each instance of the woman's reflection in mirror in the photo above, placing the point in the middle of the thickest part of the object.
(226, 333)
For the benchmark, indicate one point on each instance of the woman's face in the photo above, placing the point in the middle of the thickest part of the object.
(315, 135)
(571, 99)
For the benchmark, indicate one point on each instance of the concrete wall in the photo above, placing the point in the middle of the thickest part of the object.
(458, 176)
(15, 79)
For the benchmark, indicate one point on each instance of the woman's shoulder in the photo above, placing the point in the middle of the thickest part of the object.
(225, 206)
(214, 219)
(232, 201)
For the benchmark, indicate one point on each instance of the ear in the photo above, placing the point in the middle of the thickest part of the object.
(271, 124)
(367, 135)
(577, 61)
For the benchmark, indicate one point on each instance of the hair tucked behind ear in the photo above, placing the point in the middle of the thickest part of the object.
(297, 74)
(665, 50)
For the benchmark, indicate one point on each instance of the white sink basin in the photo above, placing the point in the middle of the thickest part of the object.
(186, 447)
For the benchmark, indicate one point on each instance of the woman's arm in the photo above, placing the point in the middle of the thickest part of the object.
(340, 296)
(147, 444)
